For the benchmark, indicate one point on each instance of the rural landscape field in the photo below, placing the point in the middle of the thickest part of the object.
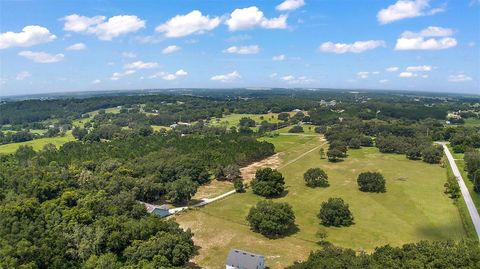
(296, 134)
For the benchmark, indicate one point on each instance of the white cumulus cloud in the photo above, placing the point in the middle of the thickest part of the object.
(96, 81)
(104, 29)
(252, 49)
(288, 5)
(280, 57)
(363, 74)
(227, 77)
(118, 75)
(41, 57)
(252, 17)
(392, 69)
(191, 23)
(77, 46)
(22, 75)
(181, 72)
(356, 47)
(290, 79)
(171, 49)
(420, 68)
(29, 36)
(404, 9)
(459, 78)
(407, 75)
(140, 65)
(430, 38)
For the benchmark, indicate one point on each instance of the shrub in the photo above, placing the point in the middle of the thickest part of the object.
(371, 182)
(268, 182)
(354, 143)
(271, 219)
(414, 153)
(238, 185)
(335, 212)
(316, 177)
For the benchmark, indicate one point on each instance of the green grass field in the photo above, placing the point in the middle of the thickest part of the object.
(37, 144)
(234, 119)
(413, 208)
(472, 122)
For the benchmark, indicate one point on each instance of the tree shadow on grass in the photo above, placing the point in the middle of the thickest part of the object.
(291, 231)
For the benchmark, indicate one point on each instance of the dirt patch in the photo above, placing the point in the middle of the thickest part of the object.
(248, 172)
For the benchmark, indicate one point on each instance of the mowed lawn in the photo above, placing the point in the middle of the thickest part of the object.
(413, 208)
(38, 144)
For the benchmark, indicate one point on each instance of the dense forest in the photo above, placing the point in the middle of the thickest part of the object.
(77, 206)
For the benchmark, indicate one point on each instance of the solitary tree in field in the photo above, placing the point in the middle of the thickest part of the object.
(322, 153)
(268, 183)
(238, 185)
(335, 212)
(371, 182)
(316, 177)
(271, 219)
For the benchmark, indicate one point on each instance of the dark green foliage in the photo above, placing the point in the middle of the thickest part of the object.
(337, 150)
(181, 190)
(271, 219)
(247, 122)
(78, 206)
(79, 133)
(371, 182)
(316, 177)
(451, 188)
(366, 141)
(432, 154)
(238, 185)
(354, 143)
(424, 254)
(268, 183)
(229, 172)
(283, 116)
(472, 162)
(296, 129)
(320, 129)
(476, 181)
(414, 153)
(335, 212)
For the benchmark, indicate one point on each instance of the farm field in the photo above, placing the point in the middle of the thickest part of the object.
(413, 208)
(37, 144)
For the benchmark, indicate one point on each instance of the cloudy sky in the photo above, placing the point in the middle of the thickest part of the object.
(59, 46)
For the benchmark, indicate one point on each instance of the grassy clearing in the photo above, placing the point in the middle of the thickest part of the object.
(159, 127)
(234, 119)
(307, 129)
(213, 189)
(413, 208)
(37, 144)
(472, 122)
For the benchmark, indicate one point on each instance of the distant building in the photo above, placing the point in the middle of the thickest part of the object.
(239, 259)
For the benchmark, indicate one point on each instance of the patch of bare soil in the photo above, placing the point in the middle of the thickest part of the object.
(248, 172)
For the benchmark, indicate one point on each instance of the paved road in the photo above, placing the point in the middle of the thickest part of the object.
(466, 195)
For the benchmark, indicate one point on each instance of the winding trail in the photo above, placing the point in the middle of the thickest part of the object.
(466, 195)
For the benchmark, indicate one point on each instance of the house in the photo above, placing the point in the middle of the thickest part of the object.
(239, 259)
(161, 211)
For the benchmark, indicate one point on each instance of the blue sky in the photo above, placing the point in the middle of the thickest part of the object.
(60, 46)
